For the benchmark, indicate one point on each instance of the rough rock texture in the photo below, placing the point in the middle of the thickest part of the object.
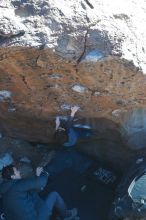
(36, 85)
(79, 30)
(57, 54)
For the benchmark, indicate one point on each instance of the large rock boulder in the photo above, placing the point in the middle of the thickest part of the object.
(54, 55)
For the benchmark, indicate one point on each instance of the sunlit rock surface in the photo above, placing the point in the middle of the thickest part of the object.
(77, 30)
(56, 54)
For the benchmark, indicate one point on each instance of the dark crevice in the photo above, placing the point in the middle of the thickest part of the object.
(8, 36)
(37, 58)
(89, 4)
(84, 50)
(83, 6)
(1, 6)
(42, 47)
(24, 81)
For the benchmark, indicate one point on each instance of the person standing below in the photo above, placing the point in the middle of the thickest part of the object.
(66, 134)
(21, 200)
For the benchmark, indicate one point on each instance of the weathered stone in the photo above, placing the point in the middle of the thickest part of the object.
(79, 88)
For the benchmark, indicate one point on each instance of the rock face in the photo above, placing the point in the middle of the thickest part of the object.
(54, 55)
(80, 30)
(134, 129)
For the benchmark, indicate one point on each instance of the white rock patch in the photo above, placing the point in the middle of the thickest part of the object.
(93, 56)
(79, 88)
(4, 94)
(55, 76)
(65, 107)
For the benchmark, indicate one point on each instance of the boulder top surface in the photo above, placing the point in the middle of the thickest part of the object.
(81, 30)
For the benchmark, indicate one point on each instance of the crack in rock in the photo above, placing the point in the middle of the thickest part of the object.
(10, 35)
(89, 4)
(5, 39)
(84, 50)
(25, 81)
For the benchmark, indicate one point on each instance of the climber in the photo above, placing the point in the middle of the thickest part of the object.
(21, 199)
(67, 134)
